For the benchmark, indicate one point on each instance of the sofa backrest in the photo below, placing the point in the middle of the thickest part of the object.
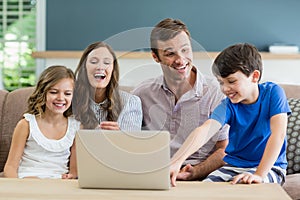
(291, 91)
(293, 128)
(13, 105)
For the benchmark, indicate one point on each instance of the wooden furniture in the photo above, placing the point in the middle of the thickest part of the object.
(145, 55)
(40, 189)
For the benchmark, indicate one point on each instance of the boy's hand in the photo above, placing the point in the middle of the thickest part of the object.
(174, 170)
(247, 178)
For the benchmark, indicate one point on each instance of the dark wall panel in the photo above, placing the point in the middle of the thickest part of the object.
(214, 24)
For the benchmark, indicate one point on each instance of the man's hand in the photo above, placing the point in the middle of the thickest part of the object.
(187, 173)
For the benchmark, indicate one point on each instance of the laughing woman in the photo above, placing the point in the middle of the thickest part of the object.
(98, 102)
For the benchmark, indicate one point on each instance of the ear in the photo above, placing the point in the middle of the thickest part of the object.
(155, 57)
(255, 76)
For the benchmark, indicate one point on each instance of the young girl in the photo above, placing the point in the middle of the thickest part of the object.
(42, 143)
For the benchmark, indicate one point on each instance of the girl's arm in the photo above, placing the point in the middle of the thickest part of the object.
(17, 146)
(194, 141)
(73, 164)
(272, 150)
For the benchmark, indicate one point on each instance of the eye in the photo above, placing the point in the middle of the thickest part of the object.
(68, 93)
(94, 61)
(107, 62)
(52, 91)
(221, 82)
(169, 54)
(185, 50)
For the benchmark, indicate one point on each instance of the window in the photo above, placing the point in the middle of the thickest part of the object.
(17, 41)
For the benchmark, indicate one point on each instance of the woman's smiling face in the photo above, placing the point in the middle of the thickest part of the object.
(99, 66)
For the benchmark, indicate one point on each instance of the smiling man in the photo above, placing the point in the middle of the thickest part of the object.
(181, 99)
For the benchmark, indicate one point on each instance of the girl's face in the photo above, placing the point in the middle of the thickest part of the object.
(59, 96)
(239, 88)
(99, 66)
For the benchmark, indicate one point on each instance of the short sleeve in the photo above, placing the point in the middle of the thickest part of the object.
(220, 113)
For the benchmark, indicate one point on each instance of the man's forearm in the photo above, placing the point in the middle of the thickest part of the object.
(212, 163)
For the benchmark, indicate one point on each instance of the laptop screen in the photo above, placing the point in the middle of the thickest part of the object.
(118, 159)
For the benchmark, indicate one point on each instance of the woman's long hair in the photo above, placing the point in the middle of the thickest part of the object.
(84, 92)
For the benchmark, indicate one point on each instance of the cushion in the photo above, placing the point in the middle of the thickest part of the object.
(293, 137)
(291, 186)
(14, 106)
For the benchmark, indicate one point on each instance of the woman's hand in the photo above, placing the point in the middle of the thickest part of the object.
(109, 125)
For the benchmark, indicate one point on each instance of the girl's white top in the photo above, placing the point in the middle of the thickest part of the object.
(43, 157)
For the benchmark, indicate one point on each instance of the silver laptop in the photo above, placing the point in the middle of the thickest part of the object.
(123, 160)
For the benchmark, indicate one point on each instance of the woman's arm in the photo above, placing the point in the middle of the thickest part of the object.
(17, 146)
(131, 116)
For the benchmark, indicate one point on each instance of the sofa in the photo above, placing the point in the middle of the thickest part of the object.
(13, 104)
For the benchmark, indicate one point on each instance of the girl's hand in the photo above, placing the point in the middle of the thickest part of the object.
(247, 178)
(109, 125)
(68, 176)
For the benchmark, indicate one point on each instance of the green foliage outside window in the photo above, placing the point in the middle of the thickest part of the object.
(16, 62)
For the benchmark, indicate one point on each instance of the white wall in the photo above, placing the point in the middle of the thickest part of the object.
(133, 71)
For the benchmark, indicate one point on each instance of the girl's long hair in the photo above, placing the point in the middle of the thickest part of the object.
(48, 78)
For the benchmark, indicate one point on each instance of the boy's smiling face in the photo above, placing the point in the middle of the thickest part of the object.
(239, 88)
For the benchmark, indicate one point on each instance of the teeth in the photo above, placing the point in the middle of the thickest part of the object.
(59, 104)
(100, 75)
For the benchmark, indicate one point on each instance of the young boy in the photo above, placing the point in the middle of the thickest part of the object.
(257, 116)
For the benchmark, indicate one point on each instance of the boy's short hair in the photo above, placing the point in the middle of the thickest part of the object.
(242, 57)
(165, 30)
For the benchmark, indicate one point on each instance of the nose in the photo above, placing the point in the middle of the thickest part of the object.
(225, 88)
(179, 59)
(102, 66)
(60, 96)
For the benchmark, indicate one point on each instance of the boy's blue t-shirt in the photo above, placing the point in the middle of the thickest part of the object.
(250, 126)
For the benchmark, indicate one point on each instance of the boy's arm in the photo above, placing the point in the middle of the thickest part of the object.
(201, 170)
(17, 146)
(272, 150)
(194, 141)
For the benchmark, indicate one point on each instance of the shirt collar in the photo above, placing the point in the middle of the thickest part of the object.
(198, 86)
(103, 103)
